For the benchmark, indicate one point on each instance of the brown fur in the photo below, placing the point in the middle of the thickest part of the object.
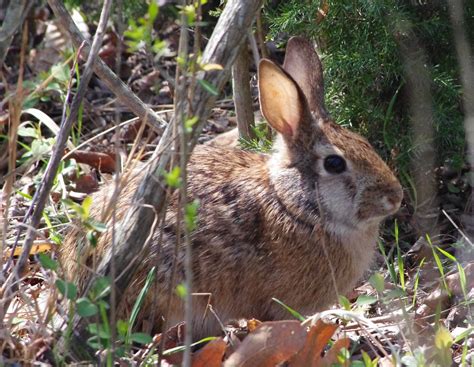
(269, 226)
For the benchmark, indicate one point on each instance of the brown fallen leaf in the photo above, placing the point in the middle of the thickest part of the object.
(174, 337)
(322, 12)
(101, 161)
(318, 337)
(87, 183)
(271, 343)
(211, 355)
(252, 324)
(38, 247)
(440, 297)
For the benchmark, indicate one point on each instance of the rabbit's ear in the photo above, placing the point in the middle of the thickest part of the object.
(304, 66)
(280, 98)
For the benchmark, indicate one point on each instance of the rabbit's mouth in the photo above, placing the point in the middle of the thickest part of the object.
(391, 204)
(377, 212)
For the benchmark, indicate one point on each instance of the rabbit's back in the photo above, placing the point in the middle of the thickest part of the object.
(299, 224)
(249, 246)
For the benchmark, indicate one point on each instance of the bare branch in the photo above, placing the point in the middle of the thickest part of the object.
(123, 93)
(46, 184)
(464, 53)
(242, 95)
(15, 15)
(222, 48)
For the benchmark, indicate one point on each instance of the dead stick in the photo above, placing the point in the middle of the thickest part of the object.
(222, 49)
(58, 151)
(123, 93)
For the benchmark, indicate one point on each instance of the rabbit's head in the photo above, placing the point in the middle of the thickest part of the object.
(339, 172)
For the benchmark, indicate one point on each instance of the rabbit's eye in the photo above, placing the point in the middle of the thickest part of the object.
(334, 164)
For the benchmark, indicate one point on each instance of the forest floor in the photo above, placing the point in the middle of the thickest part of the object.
(413, 307)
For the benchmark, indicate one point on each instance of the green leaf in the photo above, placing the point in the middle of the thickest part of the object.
(363, 300)
(210, 88)
(97, 226)
(94, 342)
(85, 308)
(395, 293)
(181, 290)
(446, 253)
(409, 361)
(190, 13)
(173, 178)
(453, 189)
(182, 347)
(122, 328)
(368, 361)
(141, 338)
(345, 303)
(439, 265)
(153, 11)
(86, 206)
(24, 195)
(443, 338)
(28, 132)
(189, 123)
(293, 313)
(92, 238)
(75, 207)
(159, 47)
(191, 214)
(47, 262)
(67, 289)
(60, 72)
(139, 302)
(40, 148)
(443, 343)
(98, 330)
(377, 281)
(101, 288)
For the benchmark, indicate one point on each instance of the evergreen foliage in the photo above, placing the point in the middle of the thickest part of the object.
(358, 41)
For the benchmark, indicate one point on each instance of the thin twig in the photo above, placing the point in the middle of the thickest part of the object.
(15, 113)
(58, 150)
(118, 68)
(464, 53)
(112, 81)
(222, 49)
(14, 17)
(261, 35)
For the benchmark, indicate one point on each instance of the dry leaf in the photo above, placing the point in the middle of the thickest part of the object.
(252, 324)
(440, 297)
(318, 337)
(87, 183)
(271, 343)
(211, 355)
(322, 12)
(101, 161)
(38, 247)
(174, 336)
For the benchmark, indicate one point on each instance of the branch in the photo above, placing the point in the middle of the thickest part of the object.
(242, 94)
(46, 184)
(464, 52)
(123, 93)
(14, 17)
(222, 48)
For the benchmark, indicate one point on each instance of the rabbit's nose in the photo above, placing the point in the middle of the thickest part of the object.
(393, 198)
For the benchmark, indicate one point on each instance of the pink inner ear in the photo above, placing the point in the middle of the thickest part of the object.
(286, 129)
(280, 99)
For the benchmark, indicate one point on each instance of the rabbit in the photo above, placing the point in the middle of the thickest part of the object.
(299, 224)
